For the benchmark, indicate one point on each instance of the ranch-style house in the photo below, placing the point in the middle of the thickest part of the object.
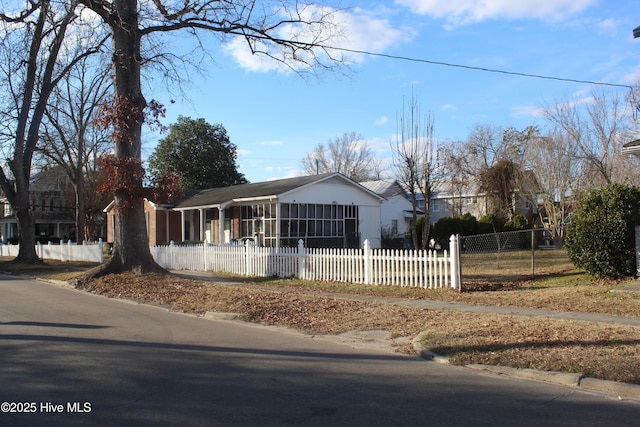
(325, 210)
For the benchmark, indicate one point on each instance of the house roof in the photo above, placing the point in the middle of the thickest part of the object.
(632, 147)
(386, 188)
(258, 190)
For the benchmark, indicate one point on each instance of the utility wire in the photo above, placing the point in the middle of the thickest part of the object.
(468, 67)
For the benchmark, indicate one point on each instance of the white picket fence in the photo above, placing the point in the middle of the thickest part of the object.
(415, 268)
(89, 252)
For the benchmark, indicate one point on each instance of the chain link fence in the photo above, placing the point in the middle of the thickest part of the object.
(502, 258)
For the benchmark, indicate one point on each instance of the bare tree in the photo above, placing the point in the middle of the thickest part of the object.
(70, 138)
(488, 144)
(290, 32)
(598, 126)
(348, 154)
(416, 164)
(552, 160)
(457, 174)
(34, 57)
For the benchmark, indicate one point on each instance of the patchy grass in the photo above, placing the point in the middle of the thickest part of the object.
(567, 291)
(609, 352)
(603, 351)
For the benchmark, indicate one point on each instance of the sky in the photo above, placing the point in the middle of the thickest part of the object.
(275, 117)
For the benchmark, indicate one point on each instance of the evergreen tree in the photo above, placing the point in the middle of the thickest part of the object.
(200, 153)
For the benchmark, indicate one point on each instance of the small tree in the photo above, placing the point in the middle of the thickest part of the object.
(416, 164)
(601, 235)
(69, 138)
(348, 154)
(499, 182)
(201, 154)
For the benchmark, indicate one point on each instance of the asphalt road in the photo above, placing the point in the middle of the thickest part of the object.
(70, 358)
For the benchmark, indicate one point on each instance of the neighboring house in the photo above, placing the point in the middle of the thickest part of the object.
(327, 210)
(453, 198)
(53, 204)
(163, 224)
(396, 210)
(632, 147)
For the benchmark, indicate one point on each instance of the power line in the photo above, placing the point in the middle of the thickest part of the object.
(469, 67)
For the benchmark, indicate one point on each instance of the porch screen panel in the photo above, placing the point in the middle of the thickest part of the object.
(319, 225)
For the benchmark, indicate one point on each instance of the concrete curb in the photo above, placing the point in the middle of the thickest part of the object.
(561, 378)
(424, 352)
(611, 387)
(617, 389)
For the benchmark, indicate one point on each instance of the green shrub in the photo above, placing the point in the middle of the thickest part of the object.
(491, 223)
(518, 222)
(446, 226)
(468, 224)
(601, 235)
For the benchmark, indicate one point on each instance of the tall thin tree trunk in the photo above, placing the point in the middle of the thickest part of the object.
(81, 233)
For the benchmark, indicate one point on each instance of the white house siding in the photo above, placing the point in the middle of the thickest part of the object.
(445, 206)
(330, 191)
(396, 208)
(369, 225)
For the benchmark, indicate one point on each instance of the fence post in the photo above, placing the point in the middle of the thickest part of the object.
(101, 247)
(248, 261)
(301, 256)
(367, 262)
(454, 253)
(533, 253)
(171, 255)
(205, 254)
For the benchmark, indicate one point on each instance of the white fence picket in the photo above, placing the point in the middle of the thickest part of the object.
(410, 268)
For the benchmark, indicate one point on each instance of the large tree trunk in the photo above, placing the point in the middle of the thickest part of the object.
(130, 247)
(27, 231)
(19, 198)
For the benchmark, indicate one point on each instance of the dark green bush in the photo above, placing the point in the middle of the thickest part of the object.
(491, 223)
(601, 235)
(518, 222)
(446, 226)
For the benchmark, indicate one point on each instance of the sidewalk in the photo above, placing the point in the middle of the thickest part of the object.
(442, 305)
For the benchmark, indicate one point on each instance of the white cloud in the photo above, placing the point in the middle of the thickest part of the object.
(381, 121)
(449, 107)
(283, 173)
(608, 25)
(527, 111)
(360, 30)
(461, 12)
(365, 31)
(242, 153)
